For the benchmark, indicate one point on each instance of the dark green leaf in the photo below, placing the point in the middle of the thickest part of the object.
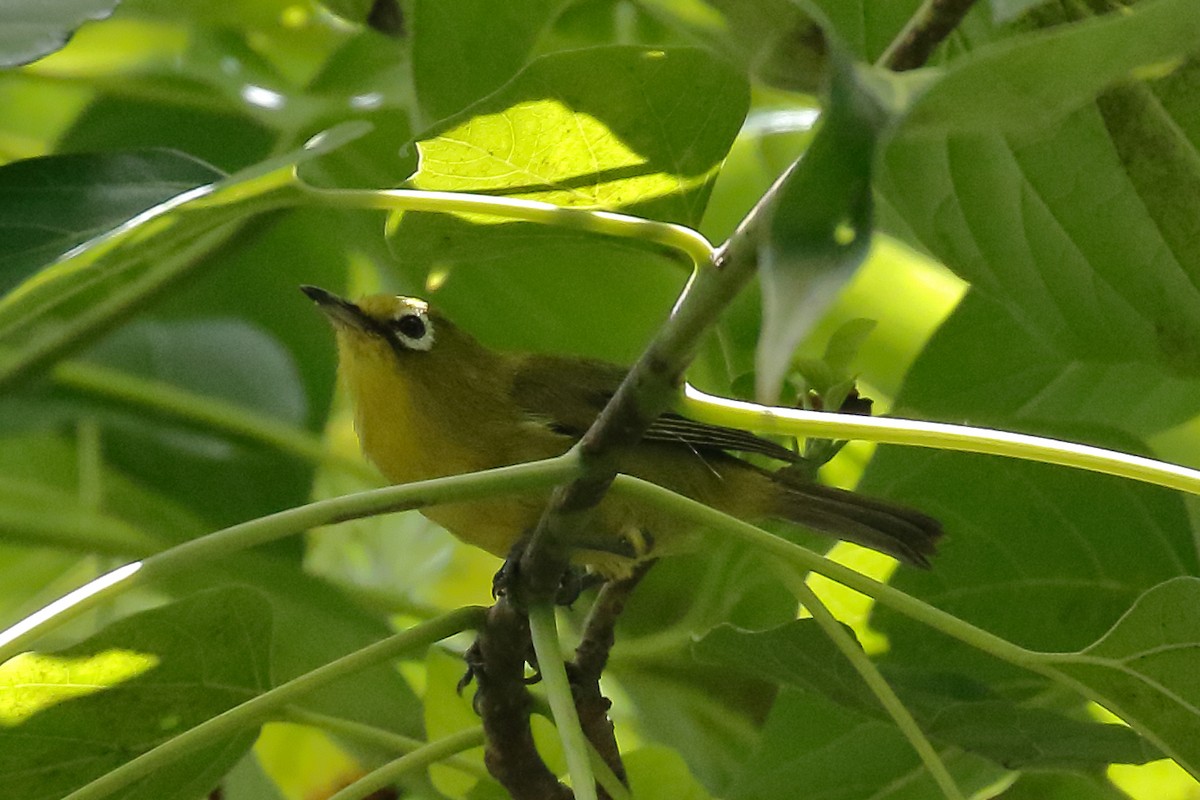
(72, 715)
(810, 747)
(49, 205)
(215, 130)
(1144, 669)
(1031, 80)
(463, 50)
(1044, 556)
(951, 709)
(31, 29)
(115, 272)
(811, 247)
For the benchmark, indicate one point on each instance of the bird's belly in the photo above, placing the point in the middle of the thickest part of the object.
(492, 525)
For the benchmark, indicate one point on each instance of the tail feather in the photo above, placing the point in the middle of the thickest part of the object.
(904, 533)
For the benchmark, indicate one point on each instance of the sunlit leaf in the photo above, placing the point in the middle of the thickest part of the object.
(130, 687)
(658, 773)
(607, 128)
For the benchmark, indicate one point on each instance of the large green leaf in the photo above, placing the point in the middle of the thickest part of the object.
(94, 286)
(813, 748)
(72, 715)
(30, 30)
(1030, 80)
(49, 205)
(1044, 556)
(608, 128)
(952, 709)
(465, 49)
(571, 129)
(701, 710)
(1144, 669)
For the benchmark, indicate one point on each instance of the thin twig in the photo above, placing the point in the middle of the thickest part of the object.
(932, 23)
(591, 656)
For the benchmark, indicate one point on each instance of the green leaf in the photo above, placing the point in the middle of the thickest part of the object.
(123, 268)
(1144, 669)
(606, 128)
(810, 247)
(658, 773)
(1062, 786)
(49, 205)
(1052, 225)
(591, 148)
(485, 276)
(1034, 381)
(951, 709)
(248, 781)
(30, 30)
(810, 747)
(72, 715)
(1029, 81)
(705, 713)
(1039, 555)
(463, 50)
(216, 130)
(42, 503)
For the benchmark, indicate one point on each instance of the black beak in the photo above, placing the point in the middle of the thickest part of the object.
(340, 311)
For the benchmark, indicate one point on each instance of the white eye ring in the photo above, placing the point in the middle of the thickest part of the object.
(414, 315)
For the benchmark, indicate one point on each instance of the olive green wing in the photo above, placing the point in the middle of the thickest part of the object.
(569, 393)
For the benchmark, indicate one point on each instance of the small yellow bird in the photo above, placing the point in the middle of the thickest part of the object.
(431, 401)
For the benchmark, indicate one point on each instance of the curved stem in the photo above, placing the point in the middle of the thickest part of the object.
(880, 688)
(941, 435)
(709, 519)
(418, 759)
(676, 237)
(544, 632)
(255, 711)
(517, 478)
(373, 736)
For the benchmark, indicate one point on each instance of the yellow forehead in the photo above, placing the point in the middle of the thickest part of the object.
(387, 306)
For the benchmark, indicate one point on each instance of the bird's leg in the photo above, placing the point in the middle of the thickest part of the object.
(575, 581)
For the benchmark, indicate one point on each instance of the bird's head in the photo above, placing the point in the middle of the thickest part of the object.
(381, 325)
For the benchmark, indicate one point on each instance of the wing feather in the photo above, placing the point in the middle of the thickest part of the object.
(569, 393)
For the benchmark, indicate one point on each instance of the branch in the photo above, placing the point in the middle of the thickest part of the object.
(932, 23)
(591, 656)
(649, 389)
(497, 663)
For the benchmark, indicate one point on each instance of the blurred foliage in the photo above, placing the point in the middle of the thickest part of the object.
(1019, 221)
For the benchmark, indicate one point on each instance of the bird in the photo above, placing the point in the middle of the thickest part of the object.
(432, 401)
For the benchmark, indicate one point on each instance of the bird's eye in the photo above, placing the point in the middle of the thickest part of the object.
(411, 326)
